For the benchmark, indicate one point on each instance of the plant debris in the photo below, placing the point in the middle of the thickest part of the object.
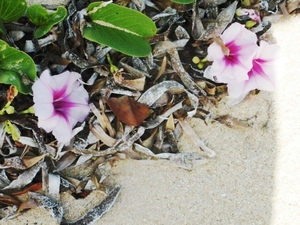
(138, 105)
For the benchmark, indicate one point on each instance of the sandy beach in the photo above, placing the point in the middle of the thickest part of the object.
(254, 178)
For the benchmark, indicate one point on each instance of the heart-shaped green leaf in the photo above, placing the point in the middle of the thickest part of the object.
(116, 26)
(12, 10)
(16, 68)
(39, 15)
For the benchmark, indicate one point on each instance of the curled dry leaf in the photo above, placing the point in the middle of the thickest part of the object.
(128, 110)
(97, 212)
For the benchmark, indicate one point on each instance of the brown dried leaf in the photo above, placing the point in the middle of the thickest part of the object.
(9, 200)
(292, 5)
(11, 93)
(30, 161)
(128, 110)
(33, 188)
(232, 122)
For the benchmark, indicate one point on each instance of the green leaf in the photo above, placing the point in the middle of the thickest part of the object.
(116, 26)
(39, 16)
(16, 68)
(2, 28)
(126, 43)
(183, 1)
(12, 10)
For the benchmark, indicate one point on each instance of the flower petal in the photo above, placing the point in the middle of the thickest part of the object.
(60, 102)
(63, 131)
(43, 110)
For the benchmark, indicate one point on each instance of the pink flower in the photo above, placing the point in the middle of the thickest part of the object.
(60, 102)
(264, 72)
(232, 54)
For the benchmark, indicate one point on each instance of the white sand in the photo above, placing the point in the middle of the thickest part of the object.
(254, 179)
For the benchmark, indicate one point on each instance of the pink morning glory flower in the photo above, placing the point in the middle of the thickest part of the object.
(232, 54)
(265, 71)
(60, 102)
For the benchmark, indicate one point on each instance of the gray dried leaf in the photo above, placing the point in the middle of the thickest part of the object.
(28, 141)
(184, 76)
(65, 161)
(97, 212)
(144, 152)
(183, 160)
(54, 186)
(150, 96)
(135, 72)
(162, 47)
(42, 201)
(4, 181)
(215, 29)
(7, 212)
(31, 46)
(25, 178)
(12, 162)
(197, 26)
(181, 33)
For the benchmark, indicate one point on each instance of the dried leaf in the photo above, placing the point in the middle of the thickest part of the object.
(215, 29)
(103, 119)
(184, 76)
(26, 205)
(11, 93)
(99, 133)
(9, 200)
(66, 160)
(97, 212)
(7, 212)
(81, 204)
(182, 160)
(33, 188)
(30, 161)
(25, 178)
(128, 110)
(170, 125)
(233, 122)
(45, 202)
(292, 5)
(12, 162)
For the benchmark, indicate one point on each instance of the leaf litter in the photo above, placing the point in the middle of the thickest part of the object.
(139, 106)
